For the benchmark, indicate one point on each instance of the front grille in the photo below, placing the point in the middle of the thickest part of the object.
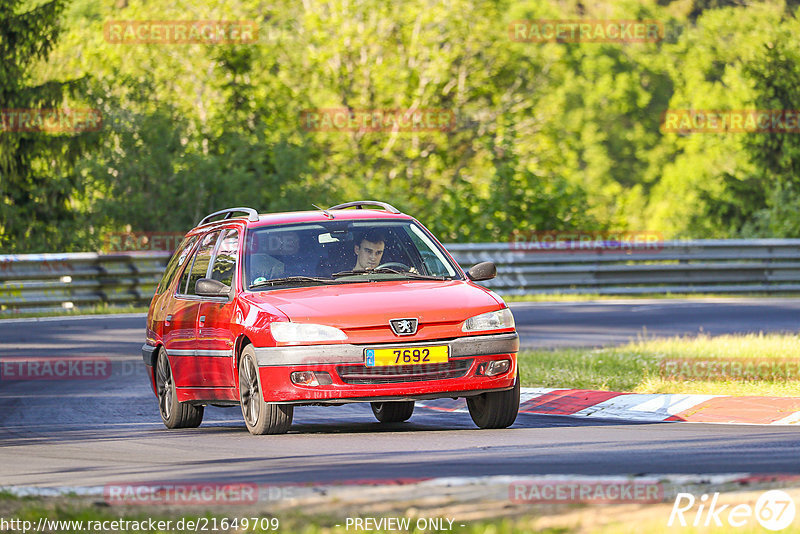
(361, 374)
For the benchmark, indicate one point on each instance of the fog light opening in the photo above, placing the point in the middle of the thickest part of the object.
(304, 378)
(311, 378)
(497, 367)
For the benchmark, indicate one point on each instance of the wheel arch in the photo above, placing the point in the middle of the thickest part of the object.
(241, 342)
(151, 367)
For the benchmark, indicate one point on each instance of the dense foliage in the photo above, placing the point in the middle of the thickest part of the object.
(546, 136)
(37, 176)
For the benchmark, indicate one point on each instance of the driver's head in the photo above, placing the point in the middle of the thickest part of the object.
(369, 250)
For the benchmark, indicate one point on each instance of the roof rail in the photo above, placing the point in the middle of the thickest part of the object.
(252, 215)
(359, 204)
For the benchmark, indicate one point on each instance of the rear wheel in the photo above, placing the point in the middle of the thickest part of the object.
(259, 416)
(174, 414)
(392, 412)
(497, 409)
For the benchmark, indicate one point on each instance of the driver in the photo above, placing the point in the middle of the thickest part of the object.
(369, 250)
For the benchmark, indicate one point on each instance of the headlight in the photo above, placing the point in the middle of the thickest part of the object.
(496, 320)
(305, 333)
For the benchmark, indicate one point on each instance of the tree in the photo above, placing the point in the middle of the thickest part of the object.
(37, 185)
(776, 155)
(710, 185)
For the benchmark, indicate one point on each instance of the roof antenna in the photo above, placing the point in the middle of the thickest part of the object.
(326, 212)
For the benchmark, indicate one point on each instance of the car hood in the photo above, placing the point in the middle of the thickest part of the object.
(370, 304)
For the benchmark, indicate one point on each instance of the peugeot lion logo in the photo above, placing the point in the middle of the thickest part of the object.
(404, 327)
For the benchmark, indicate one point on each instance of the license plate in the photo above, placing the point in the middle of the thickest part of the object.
(406, 356)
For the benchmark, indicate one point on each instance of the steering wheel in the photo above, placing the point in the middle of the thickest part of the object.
(394, 264)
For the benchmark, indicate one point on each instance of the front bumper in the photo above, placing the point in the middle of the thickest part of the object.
(149, 355)
(342, 361)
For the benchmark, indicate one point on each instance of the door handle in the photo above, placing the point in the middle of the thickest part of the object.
(202, 319)
(167, 320)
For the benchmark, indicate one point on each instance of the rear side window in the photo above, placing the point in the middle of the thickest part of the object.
(177, 261)
(225, 260)
(199, 266)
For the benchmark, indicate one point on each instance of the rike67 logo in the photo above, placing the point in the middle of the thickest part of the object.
(774, 510)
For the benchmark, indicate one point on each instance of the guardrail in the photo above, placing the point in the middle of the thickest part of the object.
(690, 266)
(46, 282)
(51, 282)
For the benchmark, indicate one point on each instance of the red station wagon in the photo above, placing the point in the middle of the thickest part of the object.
(324, 308)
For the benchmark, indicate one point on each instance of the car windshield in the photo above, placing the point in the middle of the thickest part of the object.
(341, 251)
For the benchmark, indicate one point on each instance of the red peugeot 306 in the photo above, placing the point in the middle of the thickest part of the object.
(326, 307)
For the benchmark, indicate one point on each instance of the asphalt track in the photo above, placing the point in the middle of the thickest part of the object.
(95, 432)
(586, 324)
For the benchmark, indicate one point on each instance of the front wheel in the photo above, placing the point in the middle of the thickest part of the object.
(260, 417)
(497, 409)
(174, 414)
(392, 412)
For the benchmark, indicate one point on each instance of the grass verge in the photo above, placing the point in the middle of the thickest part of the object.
(505, 518)
(757, 364)
(584, 297)
(79, 517)
(100, 309)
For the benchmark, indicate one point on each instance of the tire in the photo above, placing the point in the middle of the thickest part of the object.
(260, 417)
(392, 412)
(174, 414)
(496, 409)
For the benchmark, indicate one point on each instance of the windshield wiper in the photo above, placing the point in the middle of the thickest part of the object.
(390, 270)
(348, 273)
(291, 279)
(417, 276)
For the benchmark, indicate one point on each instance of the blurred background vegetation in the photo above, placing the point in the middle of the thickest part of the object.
(549, 136)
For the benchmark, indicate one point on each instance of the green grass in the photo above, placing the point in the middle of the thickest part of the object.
(61, 509)
(102, 309)
(546, 518)
(98, 309)
(496, 517)
(583, 297)
(637, 366)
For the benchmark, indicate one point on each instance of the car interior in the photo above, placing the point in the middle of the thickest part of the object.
(316, 251)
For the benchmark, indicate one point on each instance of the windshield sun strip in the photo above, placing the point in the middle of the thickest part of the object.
(412, 225)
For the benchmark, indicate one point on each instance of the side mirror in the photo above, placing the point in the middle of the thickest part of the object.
(208, 287)
(485, 270)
